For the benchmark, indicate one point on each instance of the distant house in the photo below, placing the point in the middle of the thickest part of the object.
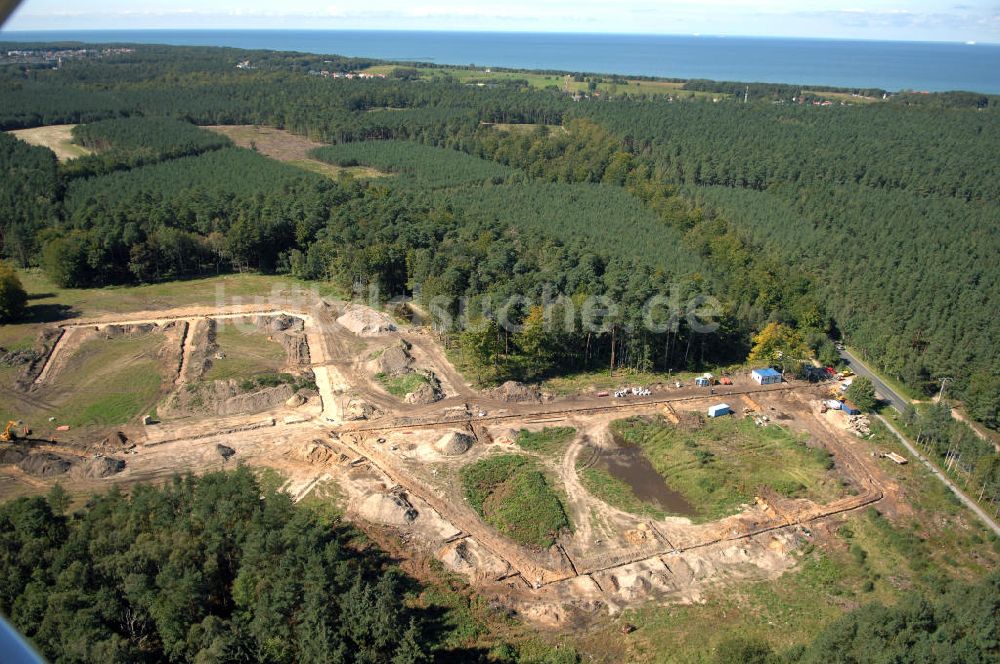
(766, 376)
(850, 408)
(719, 410)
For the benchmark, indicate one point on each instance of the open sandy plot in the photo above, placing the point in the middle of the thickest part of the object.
(492, 483)
(58, 138)
(289, 148)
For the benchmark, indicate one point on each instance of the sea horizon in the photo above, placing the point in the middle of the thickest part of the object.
(931, 66)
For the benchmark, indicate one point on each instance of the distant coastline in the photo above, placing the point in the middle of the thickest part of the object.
(921, 66)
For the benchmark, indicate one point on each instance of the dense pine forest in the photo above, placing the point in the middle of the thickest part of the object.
(875, 223)
(213, 569)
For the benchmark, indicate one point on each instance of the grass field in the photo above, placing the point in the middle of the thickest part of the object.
(550, 441)
(48, 302)
(58, 138)
(722, 464)
(107, 382)
(513, 495)
(400, 386)
(247, 353)
(290, 148)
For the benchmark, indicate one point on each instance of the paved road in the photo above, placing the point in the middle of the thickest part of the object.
(898, 401)
(986, 518)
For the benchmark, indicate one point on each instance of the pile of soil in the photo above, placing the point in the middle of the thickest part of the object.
(386, 509)
(453, 443)
(515, 392)
(295, 400)
(255, 402)
(16, 358)
(115, 441)
(393, 361)
(365, 322)
(99, 467)
(137, 330)
(281, 323)
(506, 437)
(362, 410)
(45, 464)
(426, 393)
(224, 398)
(317, 452)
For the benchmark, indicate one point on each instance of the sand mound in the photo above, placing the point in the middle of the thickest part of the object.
(365, 322)
(99, 467)
(45, 464)
(224, 451)
(115, 441)
(362, 410)
(316, 452)
(515, 392)
(506, 436)
(453, 443)
(295, 400)
(386, 509)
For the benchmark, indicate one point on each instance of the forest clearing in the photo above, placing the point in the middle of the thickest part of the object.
(290, 148)
(399, 465)
(58, 138)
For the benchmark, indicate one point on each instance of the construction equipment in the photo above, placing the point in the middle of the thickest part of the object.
(10, 432)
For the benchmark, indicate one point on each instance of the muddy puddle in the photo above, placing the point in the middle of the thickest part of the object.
(631, 466)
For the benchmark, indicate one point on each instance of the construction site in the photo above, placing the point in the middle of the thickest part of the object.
(342, 396)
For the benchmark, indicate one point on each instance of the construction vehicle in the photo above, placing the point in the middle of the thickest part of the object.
(10, 432)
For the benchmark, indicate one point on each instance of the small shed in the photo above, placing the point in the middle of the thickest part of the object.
(850, 408)
(766, 376)
(719, 410)
(701, 381)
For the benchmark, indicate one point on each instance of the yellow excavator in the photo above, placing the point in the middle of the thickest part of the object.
(9, 433)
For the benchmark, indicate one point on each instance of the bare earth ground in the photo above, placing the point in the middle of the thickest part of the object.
(57, 138)
(290, 148)
(380, 451)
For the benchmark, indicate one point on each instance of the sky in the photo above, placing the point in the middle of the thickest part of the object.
(916, 20)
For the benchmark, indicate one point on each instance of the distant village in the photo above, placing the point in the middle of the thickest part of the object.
(57, 55)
